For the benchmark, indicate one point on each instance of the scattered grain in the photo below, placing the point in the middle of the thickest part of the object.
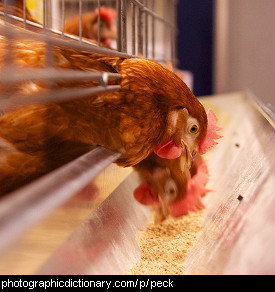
(165, 246)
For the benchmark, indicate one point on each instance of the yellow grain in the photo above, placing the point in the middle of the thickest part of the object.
(164, 246)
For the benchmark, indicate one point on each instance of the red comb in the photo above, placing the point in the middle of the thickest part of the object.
(107, 14)
(208, 141)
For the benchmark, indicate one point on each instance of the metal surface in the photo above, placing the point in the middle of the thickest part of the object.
(9, 30)
(56, 96)
(106, 242)
(24, 207)
(56, 74)
(162, 22)
(238, 235)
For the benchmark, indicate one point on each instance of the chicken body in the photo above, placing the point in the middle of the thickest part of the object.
(154, 110)
(90, 28)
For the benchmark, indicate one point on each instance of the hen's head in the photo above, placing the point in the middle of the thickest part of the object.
(188, 130)
(161, 189)
(107, 25)
(164, 185)
(185, 131)
(90, 26)
(196, 135)
(173, 191)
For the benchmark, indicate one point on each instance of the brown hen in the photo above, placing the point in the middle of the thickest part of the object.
(153, 111)
(169, 185)
(90, 28)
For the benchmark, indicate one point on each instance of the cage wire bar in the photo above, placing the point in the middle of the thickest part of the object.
(137, 19)
(123, 10)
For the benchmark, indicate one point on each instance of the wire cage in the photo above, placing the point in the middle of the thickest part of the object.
(144, 28)
(139, 31)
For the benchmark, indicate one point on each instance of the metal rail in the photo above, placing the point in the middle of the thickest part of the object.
(141, 7)
(56, 74)
(24, 207)
(152, 13)
(7, 104)
(10, 74)
(10, 31)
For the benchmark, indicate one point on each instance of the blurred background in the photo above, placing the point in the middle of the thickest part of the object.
(228, 45)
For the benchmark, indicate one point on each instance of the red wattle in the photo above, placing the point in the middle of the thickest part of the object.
(168, 150)
(145, 195)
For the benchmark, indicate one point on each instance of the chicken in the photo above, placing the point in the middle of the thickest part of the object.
(170, 186)
(153, 111)
(165, 176)
(162, 183)
(90, 25)
(168, 194)
(89, 22)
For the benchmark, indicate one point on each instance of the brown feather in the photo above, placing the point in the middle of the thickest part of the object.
(89, 23)
(131, 121)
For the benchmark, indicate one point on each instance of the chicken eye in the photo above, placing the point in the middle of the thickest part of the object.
(194, 129)
(170, 187)
(171, 191)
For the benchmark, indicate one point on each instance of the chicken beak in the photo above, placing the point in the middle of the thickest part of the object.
(163, 205)
(193, 158)
(186, 157)
(162, 210)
